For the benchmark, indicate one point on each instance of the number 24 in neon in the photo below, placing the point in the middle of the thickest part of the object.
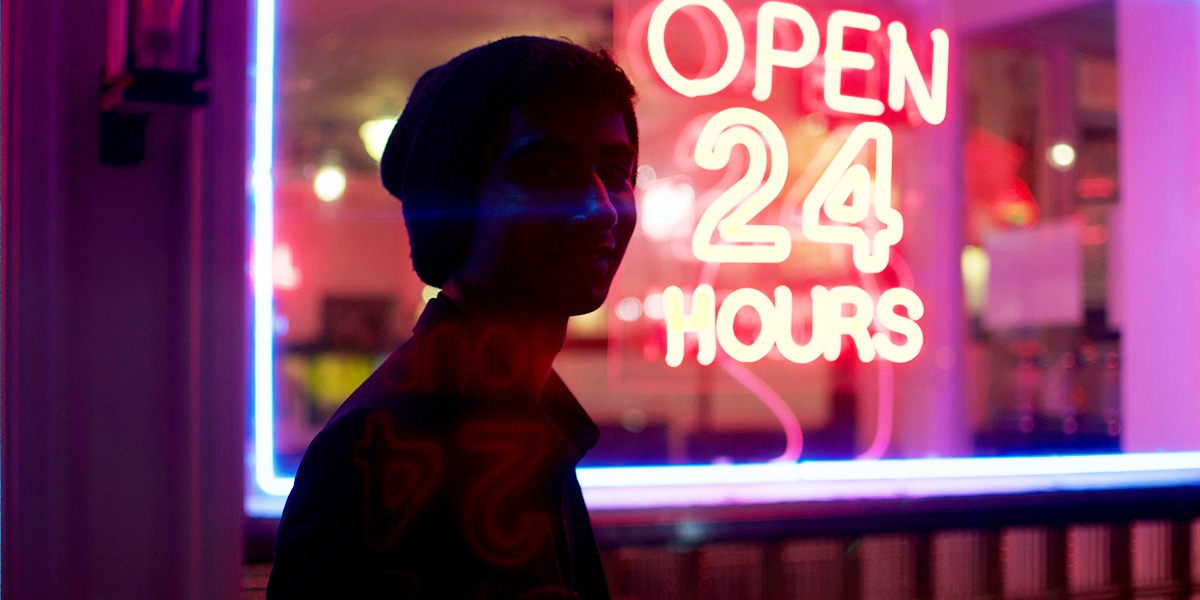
(844, 193)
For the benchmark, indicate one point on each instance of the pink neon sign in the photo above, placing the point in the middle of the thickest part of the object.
(759, 69)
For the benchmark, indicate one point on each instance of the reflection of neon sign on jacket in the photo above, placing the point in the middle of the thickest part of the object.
(443, 474)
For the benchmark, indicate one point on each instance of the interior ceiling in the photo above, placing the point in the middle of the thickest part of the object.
(342, 62)
(1090, 29)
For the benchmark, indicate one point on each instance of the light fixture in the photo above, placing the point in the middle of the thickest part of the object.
(155, 56)
(330, 182)
(1061, 156)
(374, 135)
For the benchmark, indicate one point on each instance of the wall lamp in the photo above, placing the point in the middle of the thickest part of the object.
(155, 58)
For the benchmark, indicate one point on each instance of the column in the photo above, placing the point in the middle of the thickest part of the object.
(1157, 259)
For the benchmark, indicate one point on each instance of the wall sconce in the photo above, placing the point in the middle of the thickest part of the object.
(156, 56)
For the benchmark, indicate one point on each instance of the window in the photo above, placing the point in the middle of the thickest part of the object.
(817, 316)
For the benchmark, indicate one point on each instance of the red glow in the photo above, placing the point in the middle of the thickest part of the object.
(1094, 188)
(998, 197)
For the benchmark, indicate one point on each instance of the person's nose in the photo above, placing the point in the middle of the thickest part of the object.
(595, 208)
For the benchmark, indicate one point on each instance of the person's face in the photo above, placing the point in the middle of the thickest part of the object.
(556, 211)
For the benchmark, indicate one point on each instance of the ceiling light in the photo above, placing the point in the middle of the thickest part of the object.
(374, 135)
(1061, 156)
(330, 183)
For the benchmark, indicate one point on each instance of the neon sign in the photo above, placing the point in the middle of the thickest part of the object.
(850, 204)
(828, 318)
(904, 74)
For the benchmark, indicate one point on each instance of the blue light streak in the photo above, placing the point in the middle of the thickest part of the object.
(262, 242)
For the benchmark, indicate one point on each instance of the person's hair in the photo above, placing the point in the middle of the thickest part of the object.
(438, 153)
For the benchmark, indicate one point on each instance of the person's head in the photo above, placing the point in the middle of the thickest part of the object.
(514, 165)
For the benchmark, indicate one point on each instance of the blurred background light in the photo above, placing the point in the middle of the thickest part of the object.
(666, 204)
(374, 135)
(1061, 156)
(629, 309)
(975, 277)
(653, 306)
(330, 183)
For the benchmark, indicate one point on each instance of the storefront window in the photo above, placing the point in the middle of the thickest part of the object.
(777, 301)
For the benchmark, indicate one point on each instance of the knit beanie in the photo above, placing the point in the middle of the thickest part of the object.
(436, 155)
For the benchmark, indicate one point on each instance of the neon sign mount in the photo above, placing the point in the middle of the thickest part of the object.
(849, 204)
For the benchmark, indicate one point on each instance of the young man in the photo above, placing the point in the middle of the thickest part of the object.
(450, 472)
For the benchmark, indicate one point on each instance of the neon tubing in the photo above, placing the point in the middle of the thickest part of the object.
(262, 243)
(821, 481)
(794, 435)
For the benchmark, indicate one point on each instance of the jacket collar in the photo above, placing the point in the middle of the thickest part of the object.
(556, 405)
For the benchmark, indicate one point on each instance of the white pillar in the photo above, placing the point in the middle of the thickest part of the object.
(1157, 266)
(930, 410)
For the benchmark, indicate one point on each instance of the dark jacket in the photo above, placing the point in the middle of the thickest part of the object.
(441, 478)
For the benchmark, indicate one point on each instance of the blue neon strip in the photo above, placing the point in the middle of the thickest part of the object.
(889, 470)
(262, 242)
(619, 488)
(823, 481)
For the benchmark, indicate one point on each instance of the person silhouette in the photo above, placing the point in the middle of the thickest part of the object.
(450, 473)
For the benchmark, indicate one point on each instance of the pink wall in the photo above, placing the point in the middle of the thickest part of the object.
(124, 371)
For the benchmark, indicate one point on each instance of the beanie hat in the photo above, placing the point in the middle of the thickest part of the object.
(435, 157)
